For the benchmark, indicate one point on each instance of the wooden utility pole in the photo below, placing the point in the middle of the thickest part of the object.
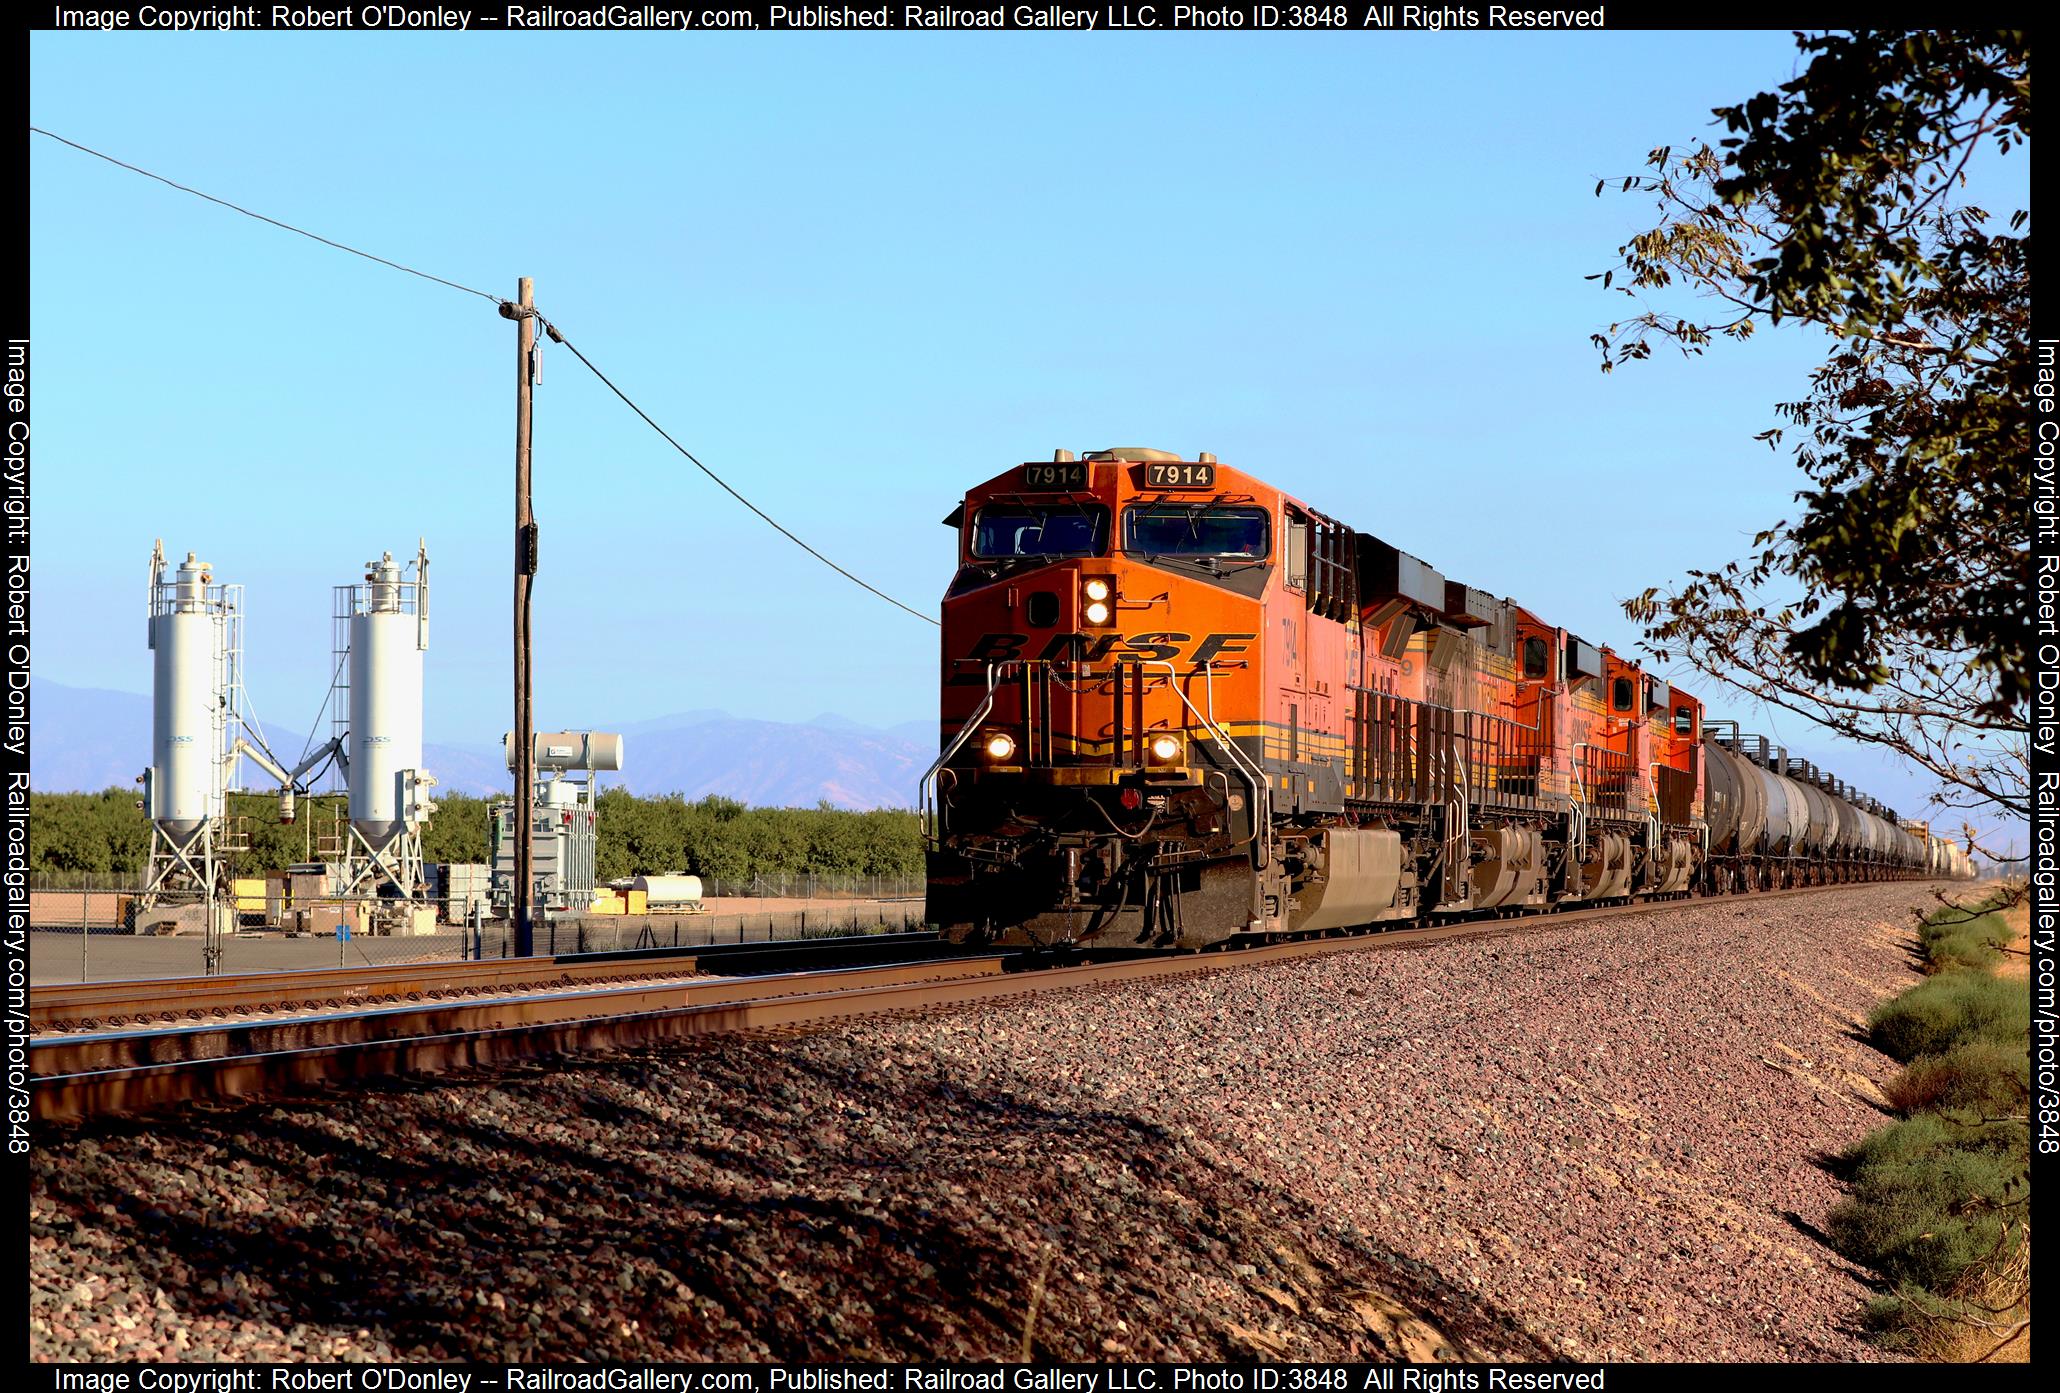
(525, 575)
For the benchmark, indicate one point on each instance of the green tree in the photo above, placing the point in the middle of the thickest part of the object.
(69, 835)
(459, 833)
(1892, 608)
(106, 834)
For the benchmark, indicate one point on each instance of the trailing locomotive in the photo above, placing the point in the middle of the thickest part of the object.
(1179, 706)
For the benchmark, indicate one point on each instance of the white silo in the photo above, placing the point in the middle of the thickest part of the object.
(196, 642)
(387, 639)
(188, 635)
(387, 632)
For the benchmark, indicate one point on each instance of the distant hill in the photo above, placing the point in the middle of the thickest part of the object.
(772, 763)
(87, 739)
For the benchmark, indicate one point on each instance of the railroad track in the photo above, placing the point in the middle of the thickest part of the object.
(168, 999)
(83, 1075)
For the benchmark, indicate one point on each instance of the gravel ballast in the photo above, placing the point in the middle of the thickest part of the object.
(1585, 1141)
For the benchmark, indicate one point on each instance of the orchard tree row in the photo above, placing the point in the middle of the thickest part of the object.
(107, 834)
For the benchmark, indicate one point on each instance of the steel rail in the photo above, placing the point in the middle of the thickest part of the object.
(81, 1076)
(75, 1076)
(59, 1005)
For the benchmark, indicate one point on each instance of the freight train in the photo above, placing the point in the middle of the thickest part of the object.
(1180, 707)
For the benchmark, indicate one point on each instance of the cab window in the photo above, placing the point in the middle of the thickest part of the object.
(1684, 720)
(1534, 658)
(1012, 529)
(1196, 529)
(1620, 693)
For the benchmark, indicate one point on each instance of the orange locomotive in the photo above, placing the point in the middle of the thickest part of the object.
(1179, 707)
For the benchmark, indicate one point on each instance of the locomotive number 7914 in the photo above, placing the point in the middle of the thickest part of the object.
(1179, 475)
(1071, 475)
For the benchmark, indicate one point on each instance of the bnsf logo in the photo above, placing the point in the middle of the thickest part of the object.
(1095, 648)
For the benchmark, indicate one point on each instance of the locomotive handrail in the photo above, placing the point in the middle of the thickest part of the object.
(1627, 768)
(1262, 799)
(1461, 843)
(925, 789)
(1262, 810)
(1579, 829)
(1262, 807)
(1262, 792)
(1535, 727)
(1256, 829)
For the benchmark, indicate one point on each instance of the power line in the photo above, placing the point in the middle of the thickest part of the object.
(558, 337)
(499, 302)
(300, 231)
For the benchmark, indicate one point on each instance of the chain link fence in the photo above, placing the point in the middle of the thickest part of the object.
(824, 885)
(100, 928)
(616, 933)
(810, 885)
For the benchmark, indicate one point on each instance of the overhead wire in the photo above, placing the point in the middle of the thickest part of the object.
(238, 208)
(557, 336)
(510, 309)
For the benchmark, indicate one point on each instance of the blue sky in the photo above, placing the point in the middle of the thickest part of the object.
(855, 273)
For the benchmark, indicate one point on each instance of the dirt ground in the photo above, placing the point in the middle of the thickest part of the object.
(1588, 1141)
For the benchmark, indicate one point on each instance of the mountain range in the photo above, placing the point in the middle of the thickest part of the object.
(86, 738)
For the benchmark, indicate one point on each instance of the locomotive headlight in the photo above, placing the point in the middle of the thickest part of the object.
(1000, 746)
(1097, 600)
(1165, 749)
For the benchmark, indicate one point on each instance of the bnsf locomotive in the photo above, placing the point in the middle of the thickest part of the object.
(1179, 707)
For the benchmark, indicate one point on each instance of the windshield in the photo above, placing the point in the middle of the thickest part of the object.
(1195, 529)
(1010, 529)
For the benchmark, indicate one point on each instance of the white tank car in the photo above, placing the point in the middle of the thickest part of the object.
(387, 637)
(188, 709)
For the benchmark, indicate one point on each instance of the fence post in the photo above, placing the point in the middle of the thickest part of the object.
(85, 933)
